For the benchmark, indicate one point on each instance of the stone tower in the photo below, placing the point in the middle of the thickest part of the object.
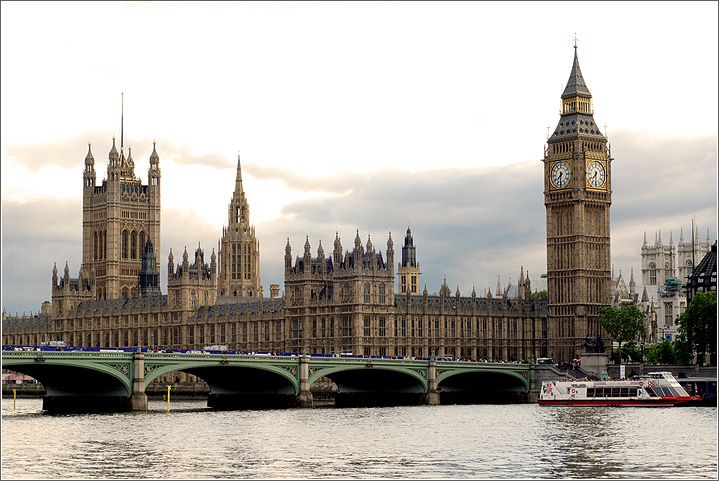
(239, 250)
(577, 196)
(117, 219)
(408, 269)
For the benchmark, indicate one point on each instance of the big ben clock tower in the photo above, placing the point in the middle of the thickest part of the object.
(577, 195)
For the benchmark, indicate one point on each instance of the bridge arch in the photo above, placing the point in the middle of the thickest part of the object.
(69, 377)
(234, 377)
(353, 369)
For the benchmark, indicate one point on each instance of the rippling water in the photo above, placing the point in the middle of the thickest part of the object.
(479, 441)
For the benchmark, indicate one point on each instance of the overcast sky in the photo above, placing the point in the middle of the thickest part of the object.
(369, 116)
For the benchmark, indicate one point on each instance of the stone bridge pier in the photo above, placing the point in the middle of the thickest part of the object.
(138, 399)
(304, 398)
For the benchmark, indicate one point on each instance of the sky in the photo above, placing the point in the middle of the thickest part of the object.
(369, 117)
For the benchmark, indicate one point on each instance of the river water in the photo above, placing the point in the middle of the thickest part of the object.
(437, 442)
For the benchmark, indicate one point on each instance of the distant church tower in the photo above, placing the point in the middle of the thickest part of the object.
(118, 217)
(577, 196)
(408, 270)
(239, 250)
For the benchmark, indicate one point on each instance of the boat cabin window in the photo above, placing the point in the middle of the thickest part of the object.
(612, 392)
(667, 391)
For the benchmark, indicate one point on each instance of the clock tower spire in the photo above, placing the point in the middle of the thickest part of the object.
(577, 196)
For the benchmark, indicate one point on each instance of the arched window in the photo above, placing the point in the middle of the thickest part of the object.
(142, 244)
(94, 246)
(193, 301)
(124, 244)
(366, 293)
(652, 274)
(382, 294)
(133, 245)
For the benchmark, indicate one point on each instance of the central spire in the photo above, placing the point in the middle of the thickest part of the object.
(577, 116)
(238, 176)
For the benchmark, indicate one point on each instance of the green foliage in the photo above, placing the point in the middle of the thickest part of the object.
(698, 324)
(682, 351)
(630, 351)
(662, 353)
(542, 294)
(623, 324)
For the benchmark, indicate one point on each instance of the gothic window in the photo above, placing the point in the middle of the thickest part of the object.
(192, 335)
(436, 329)
(652, 274)
(256, 332)
(124, 244)
(668, 314)
(298, 295)
(233, 262)
(324, 328)
(133, 245)
(419, 328)
(332, 328)
(234, 333)
(192, 299)
(142, 244)
(381, 294)
(177, 298)
(244, 331)
(278, 333)
(366, 327)
(314, 328)
(207, 295)
(125, 293)
(403, 323)
(382, 327)
(366, 294)
(403, 284)
(414, 284)
(268, 331)
(346, 326)
(94, 246)
(222, 334)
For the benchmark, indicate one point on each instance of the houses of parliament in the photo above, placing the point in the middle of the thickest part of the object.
(340, 301)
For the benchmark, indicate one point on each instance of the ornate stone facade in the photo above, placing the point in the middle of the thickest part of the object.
(345, 302)
(577, 196)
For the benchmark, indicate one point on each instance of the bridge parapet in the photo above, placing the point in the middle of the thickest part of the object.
(233, 374)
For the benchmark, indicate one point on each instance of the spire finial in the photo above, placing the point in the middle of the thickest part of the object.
(122, 116)
(575, 40)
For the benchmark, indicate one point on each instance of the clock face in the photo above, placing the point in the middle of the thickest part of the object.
(560, 175)
(595, 174)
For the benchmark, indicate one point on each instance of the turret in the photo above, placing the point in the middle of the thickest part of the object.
(337, 251)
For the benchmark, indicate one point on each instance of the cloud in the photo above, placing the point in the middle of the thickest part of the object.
(470, 225)
(70, 153)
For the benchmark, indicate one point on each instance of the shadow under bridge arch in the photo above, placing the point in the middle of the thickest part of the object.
(483, 387)
(244, 386)
(375, 385)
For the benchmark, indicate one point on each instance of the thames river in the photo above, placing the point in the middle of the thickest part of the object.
(437, 442)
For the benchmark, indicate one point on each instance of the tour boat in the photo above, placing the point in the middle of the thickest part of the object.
(653, 389)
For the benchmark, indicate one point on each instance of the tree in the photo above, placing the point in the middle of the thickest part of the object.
(662, 353)
(542, 294)
(623, 324)
(699, 324)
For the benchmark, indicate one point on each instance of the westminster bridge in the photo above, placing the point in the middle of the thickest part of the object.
(115, 380)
